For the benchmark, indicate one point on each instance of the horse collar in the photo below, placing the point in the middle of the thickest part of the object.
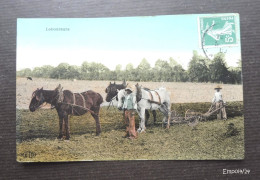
(59, 99)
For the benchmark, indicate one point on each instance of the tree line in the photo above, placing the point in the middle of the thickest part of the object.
(200, 69)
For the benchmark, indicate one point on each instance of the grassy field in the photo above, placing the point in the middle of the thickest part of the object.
(37, 141)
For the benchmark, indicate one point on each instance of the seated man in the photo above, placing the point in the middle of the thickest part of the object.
(218, 102)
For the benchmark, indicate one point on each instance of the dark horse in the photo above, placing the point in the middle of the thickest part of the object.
(112, 91)
(112, 88)
(67, 103)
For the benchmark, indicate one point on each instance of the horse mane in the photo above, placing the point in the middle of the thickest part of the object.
(147, 89)
(120, 86)
(138, 92)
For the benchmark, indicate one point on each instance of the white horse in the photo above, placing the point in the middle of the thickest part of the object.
(158, 99)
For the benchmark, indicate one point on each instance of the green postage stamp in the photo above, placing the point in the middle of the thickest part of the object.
(218, 30)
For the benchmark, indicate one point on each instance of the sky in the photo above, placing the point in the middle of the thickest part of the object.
(111, 41)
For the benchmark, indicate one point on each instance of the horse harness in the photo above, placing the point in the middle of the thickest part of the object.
(74, 102)
(156, 102)
(82, 97)
(152, 98)
(61, 98)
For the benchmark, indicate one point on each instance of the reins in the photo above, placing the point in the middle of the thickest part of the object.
(111, 102)
(41, 106)
(38, 102)
(80, 107)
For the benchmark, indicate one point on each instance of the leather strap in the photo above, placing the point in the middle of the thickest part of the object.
(158, 96)
(151, 96)
(152, 99)
(83, 99)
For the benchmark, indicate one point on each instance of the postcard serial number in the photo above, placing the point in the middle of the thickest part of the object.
(28, 154)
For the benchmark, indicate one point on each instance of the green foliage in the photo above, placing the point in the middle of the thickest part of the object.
(200, 69)
(236, 73)
(179, 74)
(24, 72)
(218, 69)
(61, 71)
(93, 71)
(130, 72)
(144, 71)
(162, 70)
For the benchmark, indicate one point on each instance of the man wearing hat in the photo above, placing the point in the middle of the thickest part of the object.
(130, 106)
(218, 102)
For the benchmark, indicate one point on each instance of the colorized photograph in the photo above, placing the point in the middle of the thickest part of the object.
(166, 87)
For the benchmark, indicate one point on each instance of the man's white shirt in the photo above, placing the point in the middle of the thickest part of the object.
(217, 97)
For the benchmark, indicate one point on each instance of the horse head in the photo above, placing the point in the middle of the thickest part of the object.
(39, 96)
(121, 95)
(112, 88)
(111, 91)
(37, 99)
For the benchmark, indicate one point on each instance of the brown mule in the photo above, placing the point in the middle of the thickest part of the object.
(67, 103)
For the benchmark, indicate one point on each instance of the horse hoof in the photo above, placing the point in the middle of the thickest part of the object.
(59, 137)
(97, 134)
(139, 130)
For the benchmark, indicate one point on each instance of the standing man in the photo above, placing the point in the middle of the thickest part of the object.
(218, 102)
(129, 107)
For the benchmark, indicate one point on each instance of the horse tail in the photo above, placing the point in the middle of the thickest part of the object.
(100, 99)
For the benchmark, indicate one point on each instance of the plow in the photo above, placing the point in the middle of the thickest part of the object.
(192, 117)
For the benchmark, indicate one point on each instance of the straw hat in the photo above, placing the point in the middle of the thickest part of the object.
(130, 87)
(218, 87)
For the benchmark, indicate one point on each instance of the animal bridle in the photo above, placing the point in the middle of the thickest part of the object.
(39, 102)
(109, 90)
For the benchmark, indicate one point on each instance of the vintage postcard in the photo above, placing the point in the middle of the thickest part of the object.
(129, 88)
